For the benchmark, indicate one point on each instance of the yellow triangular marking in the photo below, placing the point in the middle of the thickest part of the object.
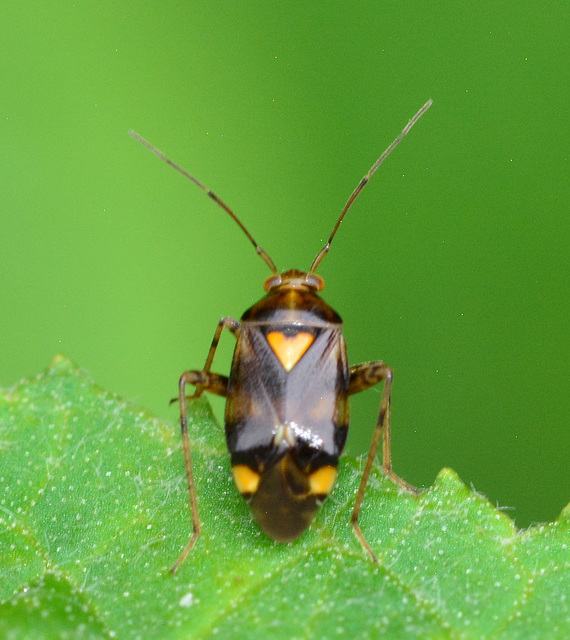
(289, 349)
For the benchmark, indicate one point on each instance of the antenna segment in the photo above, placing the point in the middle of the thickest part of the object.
(323, 252)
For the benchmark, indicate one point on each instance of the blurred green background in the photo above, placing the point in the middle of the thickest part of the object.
(452, 265)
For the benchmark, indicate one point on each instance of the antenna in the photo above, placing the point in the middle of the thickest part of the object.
(323, 252)
(261, 252)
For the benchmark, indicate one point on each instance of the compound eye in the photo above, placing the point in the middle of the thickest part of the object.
(315, 282)
(272, 281)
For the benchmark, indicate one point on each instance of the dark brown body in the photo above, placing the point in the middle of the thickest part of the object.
(287, 404)
(287, 407)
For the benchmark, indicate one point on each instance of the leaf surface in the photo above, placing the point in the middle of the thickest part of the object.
(94, 511)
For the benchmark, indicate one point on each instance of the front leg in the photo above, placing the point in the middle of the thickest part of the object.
(203, 381)
(362, 377)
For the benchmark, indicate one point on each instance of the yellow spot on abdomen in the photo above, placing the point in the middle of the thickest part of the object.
(246, 479)
(289, 349)
(322, 480)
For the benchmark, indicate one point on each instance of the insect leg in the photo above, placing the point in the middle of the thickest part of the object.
(362, 377)
(203, 381)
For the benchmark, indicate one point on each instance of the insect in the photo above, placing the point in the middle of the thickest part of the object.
(287, 414)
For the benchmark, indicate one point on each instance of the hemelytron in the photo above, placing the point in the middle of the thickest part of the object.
(287, 415)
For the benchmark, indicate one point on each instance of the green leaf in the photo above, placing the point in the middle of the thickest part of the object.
(94, 511)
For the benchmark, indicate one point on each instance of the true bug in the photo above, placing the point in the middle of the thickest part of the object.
(287, 393)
